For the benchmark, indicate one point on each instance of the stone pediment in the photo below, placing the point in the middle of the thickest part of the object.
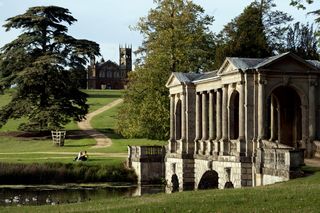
(173, 81)
(227, 67)
(286, 62)
(178, 78)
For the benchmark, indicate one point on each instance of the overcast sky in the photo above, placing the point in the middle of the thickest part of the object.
(107, 21)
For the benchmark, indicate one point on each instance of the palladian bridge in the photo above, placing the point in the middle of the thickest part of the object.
(249, 123)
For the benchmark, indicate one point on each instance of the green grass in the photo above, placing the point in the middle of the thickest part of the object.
(299, 195)
(99, 98)
(106, 122)
(96, 99)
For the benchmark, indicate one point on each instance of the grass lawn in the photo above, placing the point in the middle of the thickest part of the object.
(96, 99)
(106, 122)
(299, 195)
(18, 149)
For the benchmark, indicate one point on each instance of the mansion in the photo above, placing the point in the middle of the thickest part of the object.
(110, 75)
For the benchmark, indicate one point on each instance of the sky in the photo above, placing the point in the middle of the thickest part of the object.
(107, 21)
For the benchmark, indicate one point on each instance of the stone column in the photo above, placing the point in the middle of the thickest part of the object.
(182, 144)
(273, 119)
(312, 116)
(183, 116)
(172, 119)
(224, 140)
(261, 108)
(205, 119)
(304, 121)
(172, 124)
(204, 116)
(241, 111)
(225, 112)
(218, 115)
(198, 122)
(212, 124)
(241, 148)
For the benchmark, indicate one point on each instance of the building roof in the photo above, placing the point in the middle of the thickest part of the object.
(243, 64)
(186, 77)
(314, 63)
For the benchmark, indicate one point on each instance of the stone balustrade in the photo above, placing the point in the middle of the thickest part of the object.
(279, 160)
(150, 153)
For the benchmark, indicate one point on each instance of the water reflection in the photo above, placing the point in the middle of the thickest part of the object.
(36, 195)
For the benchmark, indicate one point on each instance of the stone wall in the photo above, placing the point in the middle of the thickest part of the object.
(240, 174)
(147, 162)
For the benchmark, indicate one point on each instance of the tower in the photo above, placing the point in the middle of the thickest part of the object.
(125, 59)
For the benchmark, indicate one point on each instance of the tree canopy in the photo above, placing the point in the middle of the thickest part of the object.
(176, 39)
(244, 36)
(43, 64)
(301, 40)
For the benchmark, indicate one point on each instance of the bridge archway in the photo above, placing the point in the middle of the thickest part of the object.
(209, 180)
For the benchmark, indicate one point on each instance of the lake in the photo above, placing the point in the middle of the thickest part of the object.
(54, 195)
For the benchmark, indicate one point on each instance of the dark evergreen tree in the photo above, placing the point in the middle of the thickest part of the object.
(257, 32)
(243, 37)
(176, 39)
(45, 65)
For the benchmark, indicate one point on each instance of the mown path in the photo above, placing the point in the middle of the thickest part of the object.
(101, 139)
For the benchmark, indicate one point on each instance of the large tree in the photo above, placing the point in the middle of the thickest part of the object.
(43, 64)
(301, 40)
(176, 39)
(243, 37)
(259, 31)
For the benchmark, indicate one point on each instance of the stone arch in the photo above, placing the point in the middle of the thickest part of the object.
(175, 183)
(209, 180)
(285, 115)
(234, 115)
(299, 91)
(178, 120)
(228, 185)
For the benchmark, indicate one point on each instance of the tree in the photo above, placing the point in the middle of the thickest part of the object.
(301, 40)
(259, 31)
(44, 63)
(176, 39)
(243, 37)
(300, 5)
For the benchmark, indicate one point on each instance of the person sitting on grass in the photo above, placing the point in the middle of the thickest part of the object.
(78, 156)
(84, 156)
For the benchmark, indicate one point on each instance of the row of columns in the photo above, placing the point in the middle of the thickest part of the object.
(212, 120)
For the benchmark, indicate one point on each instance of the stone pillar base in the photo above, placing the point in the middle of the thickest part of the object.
(224, 147)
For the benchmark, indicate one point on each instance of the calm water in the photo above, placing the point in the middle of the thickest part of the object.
(53, 196)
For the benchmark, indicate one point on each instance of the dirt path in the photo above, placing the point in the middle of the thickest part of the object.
(313, 162)
(102, 139)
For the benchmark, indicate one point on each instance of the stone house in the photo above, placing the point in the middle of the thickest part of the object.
(110, 75)
(249, 123)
